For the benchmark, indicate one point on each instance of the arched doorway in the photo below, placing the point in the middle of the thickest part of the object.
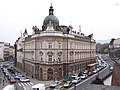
(50, 74)
(40, 73)
(59, 76)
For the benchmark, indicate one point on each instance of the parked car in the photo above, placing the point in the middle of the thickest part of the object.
(24, 79)
(65, 79)
(76, 80)
(68, 84)
(18, 76)
(85, 72)
(111, 68)
(74, 76)
(12, 80)
(60, 87)
(83, 76)
(9, 76)
(94, 71)
(54, 84)
(80, 74)
(90, 73)
(98, 69)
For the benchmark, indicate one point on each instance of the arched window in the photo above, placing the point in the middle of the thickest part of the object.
(50, 74)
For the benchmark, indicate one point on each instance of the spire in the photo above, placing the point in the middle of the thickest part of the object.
(21, 32)
(51, 10)
(25, 32)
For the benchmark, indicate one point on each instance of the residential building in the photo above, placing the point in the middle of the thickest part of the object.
(114, 54)
(114, 48)
(55, 51)
(6, 51)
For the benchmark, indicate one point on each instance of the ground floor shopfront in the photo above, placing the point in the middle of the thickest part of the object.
(53, 71)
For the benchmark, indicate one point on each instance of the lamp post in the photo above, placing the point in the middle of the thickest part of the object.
(24, 57)
(15, 57)
(67, 51)
(109, 68)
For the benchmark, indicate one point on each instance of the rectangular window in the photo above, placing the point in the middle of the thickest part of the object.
(59, 59)
(59, 45)
(40, 45)
(49, 45)
(49, 58)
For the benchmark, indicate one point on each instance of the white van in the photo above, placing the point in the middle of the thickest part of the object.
(10, 87)
(38, 87)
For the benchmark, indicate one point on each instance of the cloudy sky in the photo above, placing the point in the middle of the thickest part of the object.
(100, 17)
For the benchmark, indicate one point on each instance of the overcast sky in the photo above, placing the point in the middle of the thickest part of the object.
(100, 17)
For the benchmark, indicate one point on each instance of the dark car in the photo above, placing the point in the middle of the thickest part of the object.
(65, 79)
(80, 74)
(90, 73)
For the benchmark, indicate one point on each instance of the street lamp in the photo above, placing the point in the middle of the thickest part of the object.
(15, 57)
(67, 50)
(109, 68)
(24, 57)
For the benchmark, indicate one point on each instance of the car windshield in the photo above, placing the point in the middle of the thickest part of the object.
(12, 78)
(23, 78)
(53, 83)
(58, 87)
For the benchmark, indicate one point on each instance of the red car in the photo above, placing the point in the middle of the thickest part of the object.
(12, 80)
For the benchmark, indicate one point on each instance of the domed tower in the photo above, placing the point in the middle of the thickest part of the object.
(50, 18)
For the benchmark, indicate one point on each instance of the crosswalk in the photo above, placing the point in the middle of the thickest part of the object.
(25, 84)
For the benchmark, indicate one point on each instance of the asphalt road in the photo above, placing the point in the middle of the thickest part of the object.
(79, 86)
(101, 74)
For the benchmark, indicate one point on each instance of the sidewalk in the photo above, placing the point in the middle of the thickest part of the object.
(34, 80)
(108, 81)
(6, 82)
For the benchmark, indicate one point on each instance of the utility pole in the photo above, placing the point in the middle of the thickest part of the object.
(67, 51)
(15, 57)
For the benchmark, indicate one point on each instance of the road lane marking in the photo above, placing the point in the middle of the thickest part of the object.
(31, 83)
(19, 84)
(23, 86)
(28, 83)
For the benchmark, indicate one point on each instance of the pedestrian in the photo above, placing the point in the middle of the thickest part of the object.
(32, 76)
(0, 80)
(6, 81)
(3, 82)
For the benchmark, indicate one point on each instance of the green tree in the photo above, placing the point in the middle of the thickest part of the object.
(98, 81)
(102, 48)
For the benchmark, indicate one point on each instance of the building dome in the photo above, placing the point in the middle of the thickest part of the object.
(54, 20)
(51, 18)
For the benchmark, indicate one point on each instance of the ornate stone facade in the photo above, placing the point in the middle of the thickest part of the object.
(52, 53)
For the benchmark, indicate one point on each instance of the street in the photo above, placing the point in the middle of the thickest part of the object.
(101, 74)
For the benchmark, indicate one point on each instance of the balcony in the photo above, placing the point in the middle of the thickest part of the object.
(50, 62)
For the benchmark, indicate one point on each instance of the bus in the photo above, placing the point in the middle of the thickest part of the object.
(91, 67)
